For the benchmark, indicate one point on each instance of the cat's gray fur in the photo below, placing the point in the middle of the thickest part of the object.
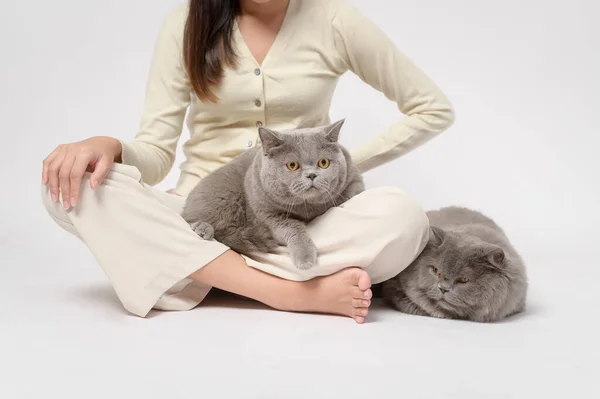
(255, 203)
(465, 243)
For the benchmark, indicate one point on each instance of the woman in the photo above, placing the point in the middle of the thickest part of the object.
(239, 64)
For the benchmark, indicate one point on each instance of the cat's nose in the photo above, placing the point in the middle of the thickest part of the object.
(311, 176)
(443, 289)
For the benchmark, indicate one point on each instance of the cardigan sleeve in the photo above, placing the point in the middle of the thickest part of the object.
(168, 94)
(374, 58)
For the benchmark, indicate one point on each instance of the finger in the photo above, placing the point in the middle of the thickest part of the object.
(65, 181)
(53, 170)
(46, 165)
(101, 170)
(77, 173)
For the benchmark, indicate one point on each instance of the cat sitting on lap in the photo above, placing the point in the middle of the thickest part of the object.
(469, 270)
(265, 196)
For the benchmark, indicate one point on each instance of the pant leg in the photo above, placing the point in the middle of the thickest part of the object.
(140, 240)
(381, 230)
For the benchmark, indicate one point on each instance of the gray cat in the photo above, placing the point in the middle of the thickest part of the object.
(468, 270)
(265, 196)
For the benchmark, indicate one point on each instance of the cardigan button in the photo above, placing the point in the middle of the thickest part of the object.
(257, 71)
(259, 124)
(257, 102)
(249, 143)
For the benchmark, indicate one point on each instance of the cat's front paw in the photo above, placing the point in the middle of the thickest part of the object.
(305, 258)
(204, 230)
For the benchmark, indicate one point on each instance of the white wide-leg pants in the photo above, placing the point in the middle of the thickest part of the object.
(147, 250)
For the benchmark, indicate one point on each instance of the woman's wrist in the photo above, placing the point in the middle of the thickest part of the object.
(115, 147)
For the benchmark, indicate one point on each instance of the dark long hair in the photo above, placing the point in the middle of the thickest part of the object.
(207, 46)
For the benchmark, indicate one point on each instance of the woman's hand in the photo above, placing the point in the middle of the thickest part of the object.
(65, 167)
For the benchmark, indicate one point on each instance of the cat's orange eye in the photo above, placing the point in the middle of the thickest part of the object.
(293, 166)
(324, 163)
(435, 270)
(463, 279)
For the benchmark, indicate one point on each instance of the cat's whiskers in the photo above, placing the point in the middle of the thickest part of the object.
(331, 198)
(344, 198)
(325, 187)
(458, 302)
(289, 209)
(305, 209)
(291, 202)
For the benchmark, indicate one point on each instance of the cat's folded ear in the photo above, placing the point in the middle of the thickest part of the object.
(269, 139)
(495, 256)
(436, 236)
(332, 132)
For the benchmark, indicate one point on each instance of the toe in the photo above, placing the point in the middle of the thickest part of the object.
(357, 293)
(362, 312)
(364, 281)
(359, 319)
(361, 303)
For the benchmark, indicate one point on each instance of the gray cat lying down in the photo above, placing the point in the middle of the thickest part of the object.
(265, 196)
(468, 270)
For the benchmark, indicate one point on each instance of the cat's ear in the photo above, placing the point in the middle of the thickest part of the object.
(269, 139)
(332, 132)
(495, 256)
(436, 236)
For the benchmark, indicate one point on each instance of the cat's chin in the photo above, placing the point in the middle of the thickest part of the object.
(442, 302)
(445, 304)
(314, 195)
(456, 309)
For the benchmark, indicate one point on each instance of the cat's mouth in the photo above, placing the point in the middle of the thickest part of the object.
(450, 303)
(441, 299)
(313, 192)
(310, 188)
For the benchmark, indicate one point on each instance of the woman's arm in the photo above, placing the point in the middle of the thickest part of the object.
(369, 53)
(167, 98)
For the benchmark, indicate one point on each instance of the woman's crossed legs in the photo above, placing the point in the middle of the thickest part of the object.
(154, 260)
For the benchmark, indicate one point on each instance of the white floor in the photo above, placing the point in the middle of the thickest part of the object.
(64, 334)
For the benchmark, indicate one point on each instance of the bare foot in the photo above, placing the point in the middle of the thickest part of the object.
(346, 293)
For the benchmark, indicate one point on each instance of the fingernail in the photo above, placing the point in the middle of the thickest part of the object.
(94, 184)
(66, 204)
(365, 303)
(73, 201)
(54, 197)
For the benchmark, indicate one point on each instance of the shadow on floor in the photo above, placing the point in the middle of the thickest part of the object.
(223, 299)
(103, 295)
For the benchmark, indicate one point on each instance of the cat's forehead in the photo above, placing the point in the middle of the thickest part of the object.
(451, 257)
(460, 245)
(307, 145)
(457, 252)
(303, 138)
(322, 130)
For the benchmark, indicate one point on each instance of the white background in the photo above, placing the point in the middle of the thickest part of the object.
(523, 77)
